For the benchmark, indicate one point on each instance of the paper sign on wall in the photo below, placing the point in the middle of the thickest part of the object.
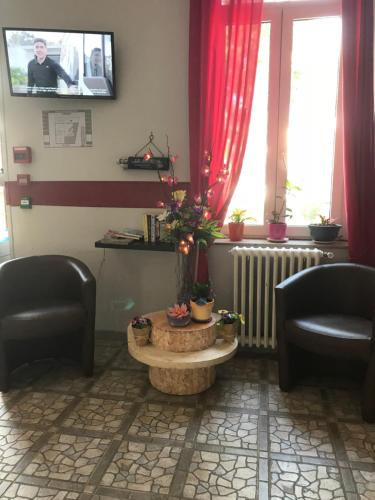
(67, 129)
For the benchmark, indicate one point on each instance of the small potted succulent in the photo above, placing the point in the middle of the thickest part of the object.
(201, 302)
(141, 330)
(236, 225)
(324, 231)
(178, 315)
(228, 324)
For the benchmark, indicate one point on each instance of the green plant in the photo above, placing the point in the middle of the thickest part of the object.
(239, 215)
(178, 311)
(202, 293)
(230, 317)
(325, 221)
(18, 76)
(141, 322)
(278, 215)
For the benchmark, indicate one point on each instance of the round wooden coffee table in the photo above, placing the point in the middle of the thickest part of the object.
(182, 360)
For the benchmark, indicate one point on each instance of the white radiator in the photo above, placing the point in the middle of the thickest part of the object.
(256, 273)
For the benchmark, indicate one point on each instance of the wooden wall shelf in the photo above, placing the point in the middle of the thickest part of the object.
(161, 246)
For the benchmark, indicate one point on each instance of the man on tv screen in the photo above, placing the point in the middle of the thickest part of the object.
(42, 71)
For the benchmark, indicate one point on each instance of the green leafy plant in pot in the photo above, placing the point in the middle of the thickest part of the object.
(202, 302)
(236, 225)
(228, 324)
(324, 231)
(276, 223)
(141, 330)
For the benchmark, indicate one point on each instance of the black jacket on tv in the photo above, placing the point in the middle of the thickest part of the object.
(44, 76)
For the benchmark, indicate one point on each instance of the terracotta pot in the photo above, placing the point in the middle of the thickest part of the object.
(201, 313)
(277, 231)
(142, 336)
(236, 230)
(229, 332)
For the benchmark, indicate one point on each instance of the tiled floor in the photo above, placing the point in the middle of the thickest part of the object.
(63, 436)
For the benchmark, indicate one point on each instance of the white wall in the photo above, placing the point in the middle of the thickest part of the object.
(151, 46)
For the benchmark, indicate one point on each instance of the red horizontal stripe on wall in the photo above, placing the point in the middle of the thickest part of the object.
(90, 193)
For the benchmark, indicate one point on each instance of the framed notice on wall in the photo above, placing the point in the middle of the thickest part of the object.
(67, 129)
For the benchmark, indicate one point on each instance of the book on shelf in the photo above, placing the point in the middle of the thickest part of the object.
(151, 228)
(131, 234)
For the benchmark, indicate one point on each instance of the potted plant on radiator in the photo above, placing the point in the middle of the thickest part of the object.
(276, 224)
(236, 225)
(325, 231)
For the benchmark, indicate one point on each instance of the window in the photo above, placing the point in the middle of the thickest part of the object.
(295, 118)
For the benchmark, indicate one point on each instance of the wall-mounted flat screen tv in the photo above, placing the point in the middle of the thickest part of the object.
(60, 63)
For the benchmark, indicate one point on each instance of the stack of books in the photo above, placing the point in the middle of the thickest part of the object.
(151, 228)
(124, 236)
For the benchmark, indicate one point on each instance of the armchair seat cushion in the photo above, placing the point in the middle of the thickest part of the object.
(51, 317)
(336, 334)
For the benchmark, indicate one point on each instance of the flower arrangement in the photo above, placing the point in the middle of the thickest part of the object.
(141, 330)
(230, 317)
(188, 223)
(141, 322)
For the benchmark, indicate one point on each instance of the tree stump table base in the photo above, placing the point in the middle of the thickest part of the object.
(182, 382)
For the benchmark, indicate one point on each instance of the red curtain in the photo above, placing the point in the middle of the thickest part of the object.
(224, 41)
(358, 95)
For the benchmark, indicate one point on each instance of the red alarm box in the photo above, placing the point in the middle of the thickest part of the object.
(22, 154)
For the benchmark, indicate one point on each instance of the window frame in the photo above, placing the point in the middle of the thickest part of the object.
(281, 16)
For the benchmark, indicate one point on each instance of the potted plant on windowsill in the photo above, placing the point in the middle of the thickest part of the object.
(324, 231)
(236, 225)
(141, 330)
(228, 324)
(201, 302)
(276, 223)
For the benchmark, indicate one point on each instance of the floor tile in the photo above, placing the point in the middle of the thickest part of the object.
(162, 421)
(94, 414)
(242, 368)
(292, 481)
(104, 353)
(365, 482)
(67, 379)
(14, 443)
(345, 404)
(225, 428)
(37, 408)
(359, 441)
(142, 467)
(233, 393)
(301, 400)
(68, 458)
(298, 436)
(124, 361)
(128, 384)
(27, 492)
(213, 476)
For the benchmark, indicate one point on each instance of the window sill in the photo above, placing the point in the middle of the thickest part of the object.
(338, 244)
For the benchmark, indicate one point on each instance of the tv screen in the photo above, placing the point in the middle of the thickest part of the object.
(57, 63)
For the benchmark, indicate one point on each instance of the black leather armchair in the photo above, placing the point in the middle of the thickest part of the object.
(47, 309)
(328, 310)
